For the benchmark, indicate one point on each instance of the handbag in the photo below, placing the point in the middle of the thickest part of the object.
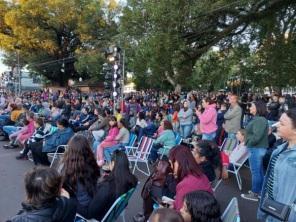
(276, 209)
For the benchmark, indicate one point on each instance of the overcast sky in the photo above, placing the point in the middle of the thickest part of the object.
(2, 66)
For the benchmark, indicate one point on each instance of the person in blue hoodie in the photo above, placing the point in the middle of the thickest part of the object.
(59, 137)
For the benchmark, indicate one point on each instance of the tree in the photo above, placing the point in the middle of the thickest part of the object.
(49, 33)
(173, 34)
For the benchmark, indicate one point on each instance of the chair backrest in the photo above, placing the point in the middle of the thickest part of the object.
(178, 138)
(144, 148)
(121, 207)
(132, 139)
(231, 213)
(118, 206)
(229, 144)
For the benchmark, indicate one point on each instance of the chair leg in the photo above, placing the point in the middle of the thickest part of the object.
(52, 161)
(238, 178)
(135, 164)
(148, 168)
(123, 215)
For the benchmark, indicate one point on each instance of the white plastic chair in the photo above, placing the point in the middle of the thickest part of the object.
(231, 213)
(140, 154)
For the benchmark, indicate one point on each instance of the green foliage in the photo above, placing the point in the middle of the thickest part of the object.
(51, 34)
(169, 37)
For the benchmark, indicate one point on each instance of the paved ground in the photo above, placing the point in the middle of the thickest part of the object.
(12, 189)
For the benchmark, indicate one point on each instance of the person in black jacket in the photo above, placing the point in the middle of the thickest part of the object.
(46, 201)
(120, 181)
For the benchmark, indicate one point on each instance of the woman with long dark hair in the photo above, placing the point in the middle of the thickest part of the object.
(188, 174)
(120, 181)
(80, 172)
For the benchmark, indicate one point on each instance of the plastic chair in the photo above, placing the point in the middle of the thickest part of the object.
(231, 213)
(116, 210)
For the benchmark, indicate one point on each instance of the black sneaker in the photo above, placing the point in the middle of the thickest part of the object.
(22, 157)
(10, 146)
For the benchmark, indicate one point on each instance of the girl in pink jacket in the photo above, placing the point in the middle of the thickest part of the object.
(208, 119)
(108, 141)
(25, 134)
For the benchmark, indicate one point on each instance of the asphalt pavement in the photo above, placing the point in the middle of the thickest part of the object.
(12, 190)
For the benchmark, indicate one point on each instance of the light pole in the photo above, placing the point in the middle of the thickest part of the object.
(19, 73)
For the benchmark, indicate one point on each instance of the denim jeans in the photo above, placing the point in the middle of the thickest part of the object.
(185, 130)
(109, 151)
(10, 129)
(209, 136)
(95, 145)
(256, 166)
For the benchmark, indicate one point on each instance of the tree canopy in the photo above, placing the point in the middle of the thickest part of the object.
(173, 35)
(168, 43)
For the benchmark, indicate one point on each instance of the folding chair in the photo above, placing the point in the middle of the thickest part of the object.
(116, 210)
(228, 144)
(57, 153)
(231, 213)
(235, 166)
(132, 140)
(140, 154)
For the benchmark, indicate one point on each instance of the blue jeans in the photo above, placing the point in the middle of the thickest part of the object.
(95, 146)
(209, 136)
(256, 166)
(185, 130)
(109, 151)
(10, 129)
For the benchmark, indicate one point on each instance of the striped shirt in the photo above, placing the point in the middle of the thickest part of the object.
(270, 182)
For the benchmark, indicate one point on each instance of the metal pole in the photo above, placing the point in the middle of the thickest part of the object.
(122, 87)
(19, 73)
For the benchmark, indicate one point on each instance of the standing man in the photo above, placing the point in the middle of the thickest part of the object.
(233, 117)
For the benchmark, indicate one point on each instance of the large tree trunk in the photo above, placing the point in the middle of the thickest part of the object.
(177, 86)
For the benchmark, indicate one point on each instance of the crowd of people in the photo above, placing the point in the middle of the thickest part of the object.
(94, 169)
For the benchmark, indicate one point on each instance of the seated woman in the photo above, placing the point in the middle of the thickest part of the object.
(122, 138)
(45, 200)
(164, 142)
(11, 118)
(188, 174)
(207, 155)
(200, 206)
(80, 172)
(59, 137)
(109, 141)
(112, 186)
